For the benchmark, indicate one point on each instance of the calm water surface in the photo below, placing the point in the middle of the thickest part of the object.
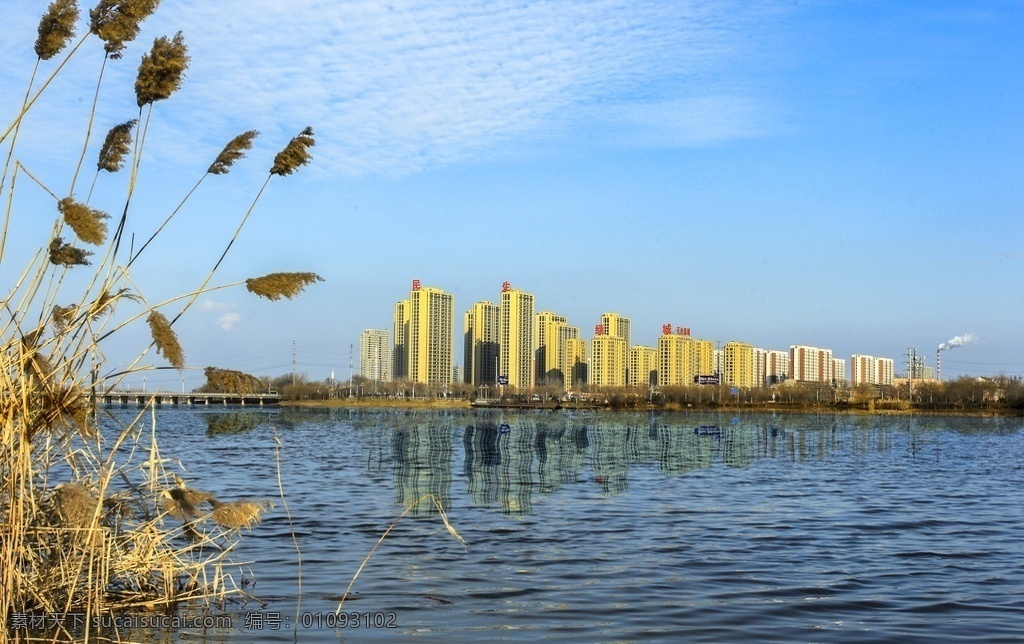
(606, 526)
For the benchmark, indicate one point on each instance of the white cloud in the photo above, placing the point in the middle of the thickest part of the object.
(228, 321)
(393, 87)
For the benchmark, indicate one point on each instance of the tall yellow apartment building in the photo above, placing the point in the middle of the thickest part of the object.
(515, 332)
(430, 334)
(681, 358)
(738, 369)
(480, 344)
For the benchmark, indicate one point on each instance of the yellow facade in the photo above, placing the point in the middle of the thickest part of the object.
(643, 362)
(682, 358)
(400, 355)
(575, 361)
(515, 329)
(608, 361)
(546, 348)
(481, 344)
(431, 333)
(618, 326)
(739, 364)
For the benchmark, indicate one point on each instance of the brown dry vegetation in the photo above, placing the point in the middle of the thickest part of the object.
(95, 521)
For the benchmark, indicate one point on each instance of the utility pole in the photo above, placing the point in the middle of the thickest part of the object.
(293, 363)
(911, 365)
(350, 370)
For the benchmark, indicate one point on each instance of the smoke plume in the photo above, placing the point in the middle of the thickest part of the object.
(958, 341)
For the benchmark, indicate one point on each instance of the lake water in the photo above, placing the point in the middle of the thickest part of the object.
(618, 526)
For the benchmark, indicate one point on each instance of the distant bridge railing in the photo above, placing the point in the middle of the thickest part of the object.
(165, 398)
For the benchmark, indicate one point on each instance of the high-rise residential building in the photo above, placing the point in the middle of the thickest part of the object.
(515, 330)
(738, 367)
(607, 359)
(681, 358)
(643, 366)
(810, 364)
(839, 371)
(617, 326)
(400, 356)
(575, 362)
(431, 334)
(481, 344)
(770, 367)
(375, 355)
(886, 371)
(871, 370)
(568, 354)
(546, 328)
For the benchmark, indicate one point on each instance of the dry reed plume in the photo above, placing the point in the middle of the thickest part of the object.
(166, 340)
(116, 146)
(85, 221)
(56, 28)
(277, 285)
(294, 155)
(233, 151)
(117, 22)
(64, 254)
(232, 381)
(93, 518)
(162, 70)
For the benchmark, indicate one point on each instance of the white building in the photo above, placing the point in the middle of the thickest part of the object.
(375, 355)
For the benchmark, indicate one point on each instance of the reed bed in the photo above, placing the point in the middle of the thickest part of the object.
(96, 521)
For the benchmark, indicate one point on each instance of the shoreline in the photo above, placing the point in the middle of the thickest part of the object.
(460, 404)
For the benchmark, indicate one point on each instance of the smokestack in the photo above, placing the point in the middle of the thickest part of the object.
(938, 364)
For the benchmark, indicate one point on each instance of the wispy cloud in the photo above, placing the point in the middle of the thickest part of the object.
(393, 87)
(228, 321)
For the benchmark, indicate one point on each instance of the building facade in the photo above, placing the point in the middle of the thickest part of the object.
(643, 366)
(738, 364)
(607, 360)
(871, 370)
(810, 364)
(480, 345)
(615, 325)
(400, 356)
(546, 332)
(431, 334)
(771, 367)
(515, 330)
(375, 362)
(576, 363)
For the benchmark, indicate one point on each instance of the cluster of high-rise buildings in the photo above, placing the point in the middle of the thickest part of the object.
(511, 344)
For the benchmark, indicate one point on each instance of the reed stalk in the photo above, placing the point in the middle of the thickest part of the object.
(85, 520)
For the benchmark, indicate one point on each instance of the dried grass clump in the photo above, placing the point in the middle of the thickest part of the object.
(295, 154)
(116, 22)
(116, 146)
(73, 505)
(162, 70)
(64, 254)
(240, 514)
(62, 316)
(231, 382)
(165, 339)
(85, 221)
(233, 151)
(56, 28)
(277, 285)
(181, 502)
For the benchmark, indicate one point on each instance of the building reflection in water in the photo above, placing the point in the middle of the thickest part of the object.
(510, 458)
(423, 458)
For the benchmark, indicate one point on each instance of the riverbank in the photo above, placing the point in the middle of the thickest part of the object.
(901, 409)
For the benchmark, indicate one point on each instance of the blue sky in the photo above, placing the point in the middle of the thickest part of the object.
(839, 174)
